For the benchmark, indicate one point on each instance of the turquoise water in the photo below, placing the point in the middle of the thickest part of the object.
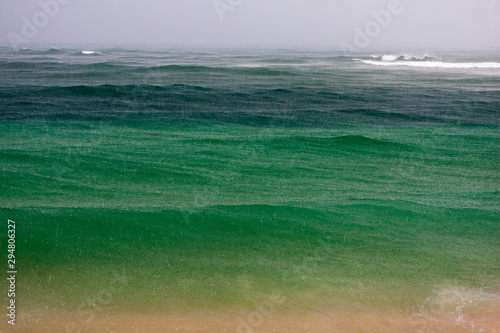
(212, 183)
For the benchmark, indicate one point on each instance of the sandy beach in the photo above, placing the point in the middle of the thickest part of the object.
(262, 321)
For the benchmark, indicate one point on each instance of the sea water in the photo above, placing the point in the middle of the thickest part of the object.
(216, 179)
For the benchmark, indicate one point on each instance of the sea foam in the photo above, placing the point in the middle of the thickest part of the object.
(435, 64)
(90, 52)
(394, 57)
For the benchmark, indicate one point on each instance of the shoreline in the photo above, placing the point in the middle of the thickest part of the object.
(260, 320)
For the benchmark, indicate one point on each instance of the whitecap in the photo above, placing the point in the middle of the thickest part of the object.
(436, 64)
(90, 52)
(401, 57)
(390, 57)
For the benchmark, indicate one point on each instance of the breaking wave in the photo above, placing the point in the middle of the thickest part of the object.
(434, 64)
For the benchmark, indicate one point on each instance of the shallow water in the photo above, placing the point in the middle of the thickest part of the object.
(216, 181)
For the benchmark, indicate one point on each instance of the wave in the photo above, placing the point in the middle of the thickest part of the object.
(435, 64)
(259, 71)
(124, 91)
(52, 51)
(425, 61)
(401, 57)
(250, 65)
(94, 53)
(348, 142)
(282, 61)
(23, 65)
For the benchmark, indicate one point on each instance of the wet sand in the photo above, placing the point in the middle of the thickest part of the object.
(262, 321)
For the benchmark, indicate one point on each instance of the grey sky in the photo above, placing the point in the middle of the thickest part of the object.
(304, 23)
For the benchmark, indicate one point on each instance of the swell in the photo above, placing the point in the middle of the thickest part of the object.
(106, 90)
(28, 65)
(257, 71)
(124, 68)
(287, 105)
(52, 51)
(346, 142)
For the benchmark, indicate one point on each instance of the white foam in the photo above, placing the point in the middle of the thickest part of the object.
(435, 64)
(389, 57)
(460, 296)
(414, 57)
(90, 52)
(459, 301)
(394, 57)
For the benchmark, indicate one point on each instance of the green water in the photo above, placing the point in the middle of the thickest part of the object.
(203, 216)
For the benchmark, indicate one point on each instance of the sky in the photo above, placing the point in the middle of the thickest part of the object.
(333, 24)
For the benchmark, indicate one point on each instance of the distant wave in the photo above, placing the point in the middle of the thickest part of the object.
(89, 53)
(259, 71)
(394, 57)
(249, 66)
(434, 64)
(282, 61)
(22, 65)
(52, 51)
(121, 91)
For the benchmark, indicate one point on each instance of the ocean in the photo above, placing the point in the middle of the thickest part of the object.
(190, 180)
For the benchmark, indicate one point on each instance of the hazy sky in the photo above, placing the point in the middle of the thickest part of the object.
(304, 23)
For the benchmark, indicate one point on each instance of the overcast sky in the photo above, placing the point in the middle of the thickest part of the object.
(282, 23)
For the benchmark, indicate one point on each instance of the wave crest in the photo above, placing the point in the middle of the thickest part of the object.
(52, 51)
(435, 64)
(89, 53)
(403, 57)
